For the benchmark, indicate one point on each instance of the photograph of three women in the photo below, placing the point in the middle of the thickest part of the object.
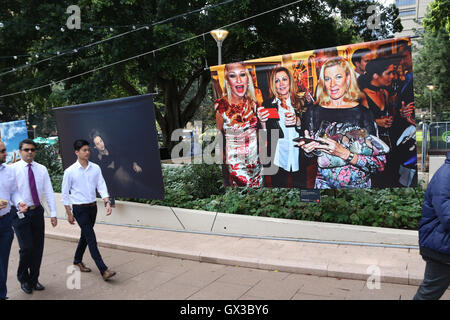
(340, 117)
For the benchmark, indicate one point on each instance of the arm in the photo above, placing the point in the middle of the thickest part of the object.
(66, 184)
(50, 198)
(441, 200)
(16, 198)
(219, 121)
(384, 122)
(262, 117)
(406, 111)
(103, 191)
(307, 130)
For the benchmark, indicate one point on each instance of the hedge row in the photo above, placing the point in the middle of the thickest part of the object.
(200, 187)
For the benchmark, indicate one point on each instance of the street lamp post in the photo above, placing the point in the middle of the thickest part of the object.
(219, 35)
(431, 88)
(34, 130)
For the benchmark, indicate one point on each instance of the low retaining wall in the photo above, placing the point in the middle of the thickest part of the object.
(178, 219)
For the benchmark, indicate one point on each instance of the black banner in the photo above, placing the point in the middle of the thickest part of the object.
(123, 140)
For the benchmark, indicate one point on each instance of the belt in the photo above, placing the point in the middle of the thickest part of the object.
(92, 204)
(33, 207)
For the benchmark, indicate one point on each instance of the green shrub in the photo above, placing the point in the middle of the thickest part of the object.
(200, 187)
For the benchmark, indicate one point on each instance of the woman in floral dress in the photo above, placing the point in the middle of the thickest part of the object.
(236, 118)
(345, 142)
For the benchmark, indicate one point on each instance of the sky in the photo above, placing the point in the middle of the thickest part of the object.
(11, 134)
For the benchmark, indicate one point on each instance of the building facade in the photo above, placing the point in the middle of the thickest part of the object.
(410, 10)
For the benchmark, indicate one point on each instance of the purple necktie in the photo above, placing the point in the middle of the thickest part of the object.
(33, 189)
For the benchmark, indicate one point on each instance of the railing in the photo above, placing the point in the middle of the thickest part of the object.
(439, 143)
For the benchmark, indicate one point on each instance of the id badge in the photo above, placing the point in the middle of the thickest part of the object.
(20, 215)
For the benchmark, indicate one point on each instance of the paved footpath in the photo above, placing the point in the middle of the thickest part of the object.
(142, 274)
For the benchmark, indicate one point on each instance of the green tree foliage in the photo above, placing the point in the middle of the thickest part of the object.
(362, 15)
(432, 66)
(178, 71)
(47, 155)
(438, 16)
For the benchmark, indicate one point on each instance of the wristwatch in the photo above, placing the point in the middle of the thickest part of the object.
(106, 202)
(350, 157)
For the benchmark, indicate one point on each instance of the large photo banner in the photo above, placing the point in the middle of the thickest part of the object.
(340, 117)
(11, 134)
(123, 142)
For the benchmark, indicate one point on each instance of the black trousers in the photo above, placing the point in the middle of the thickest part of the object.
(287, 179)
(85, 217)
(6, 239)
(30, 235)
(436, 281)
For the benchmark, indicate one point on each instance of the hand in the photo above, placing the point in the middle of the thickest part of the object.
(3, 204)
(290, 119)
(54, 221)
(262, 116)
(407, 110)
(23, 207)
(70, 218)
(136, 168)
(411, 120)
(333, 148)
(108, 209)
(308, 147)
(385, 122)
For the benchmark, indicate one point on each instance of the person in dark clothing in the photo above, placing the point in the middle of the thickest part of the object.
(360, 58)
(405, 123)
(118, 171)
(379, 76)
(434, 235)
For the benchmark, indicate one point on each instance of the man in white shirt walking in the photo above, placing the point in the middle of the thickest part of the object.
(8, 193)
(33, 182)
(78, 188)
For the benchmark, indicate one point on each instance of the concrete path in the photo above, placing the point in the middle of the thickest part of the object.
(402, 266)
(155, 264)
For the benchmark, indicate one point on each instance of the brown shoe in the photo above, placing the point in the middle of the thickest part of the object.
(108, 274)
(82, 267)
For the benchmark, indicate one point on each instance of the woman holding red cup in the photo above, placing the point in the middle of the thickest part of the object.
(282, 113)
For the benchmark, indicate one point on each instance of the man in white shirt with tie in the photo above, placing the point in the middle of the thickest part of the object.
(78, 188)
(33, 182)
(8, 193)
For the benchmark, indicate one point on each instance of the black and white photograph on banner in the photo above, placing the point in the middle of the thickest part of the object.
(123, 142)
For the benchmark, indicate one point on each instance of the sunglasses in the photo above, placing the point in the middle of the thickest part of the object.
(29, 149)
(3, 151)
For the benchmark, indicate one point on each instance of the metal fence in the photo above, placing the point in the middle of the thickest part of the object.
(439, 142)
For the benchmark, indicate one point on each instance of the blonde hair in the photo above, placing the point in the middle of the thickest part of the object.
(353, 92)
(250, 94)
(296, 101)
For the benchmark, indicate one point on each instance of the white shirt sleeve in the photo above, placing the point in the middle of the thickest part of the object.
(49, 194)
(65, 198)
(16, 196)
(101, 186)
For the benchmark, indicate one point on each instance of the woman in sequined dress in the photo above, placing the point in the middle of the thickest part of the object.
(236, 119)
